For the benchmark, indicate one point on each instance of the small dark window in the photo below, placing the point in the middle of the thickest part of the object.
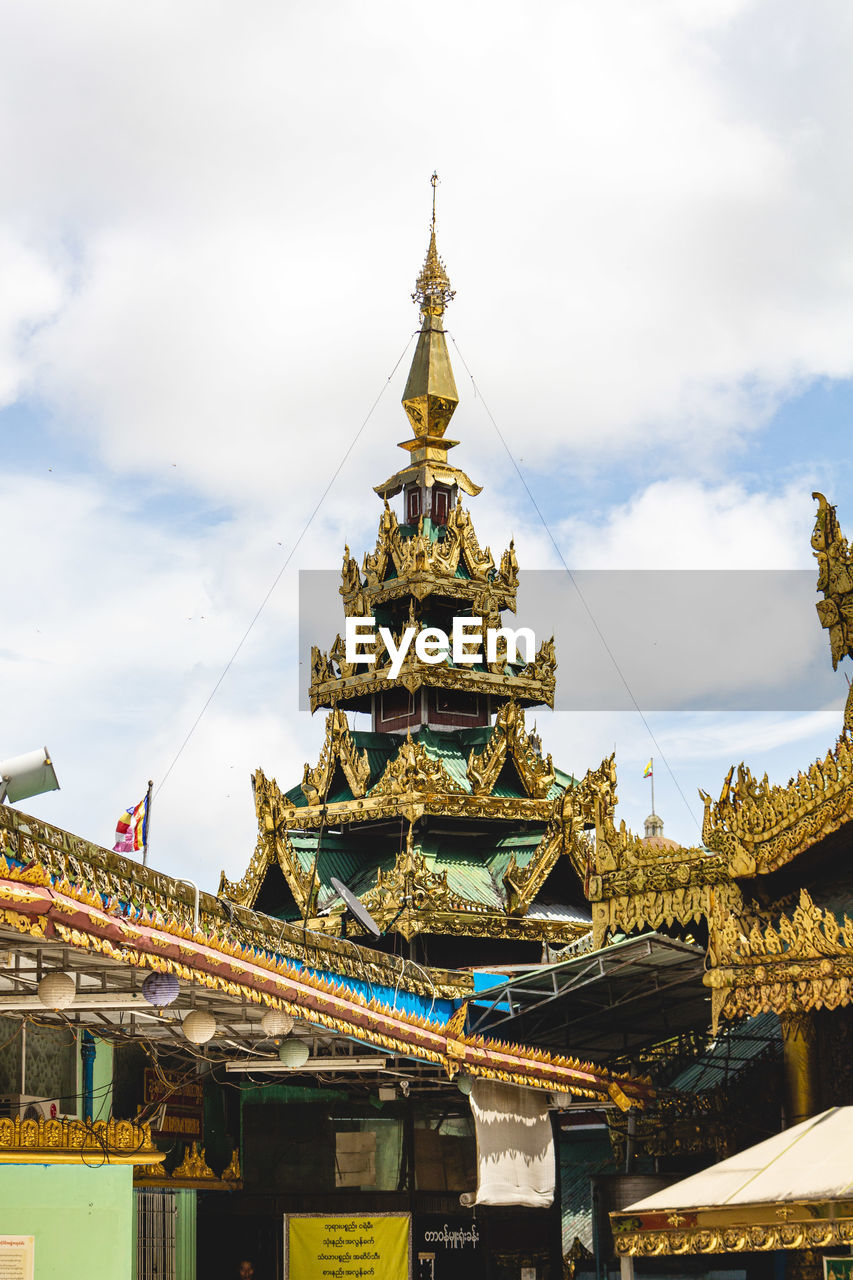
(413, 506)
(440, 505)
(396, 704)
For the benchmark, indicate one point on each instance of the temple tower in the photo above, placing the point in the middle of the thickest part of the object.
(445, 818)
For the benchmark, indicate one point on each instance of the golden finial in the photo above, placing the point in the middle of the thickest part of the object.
(432, 287)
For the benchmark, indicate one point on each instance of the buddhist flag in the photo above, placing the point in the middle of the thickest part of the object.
(648, 771)
(132, 828)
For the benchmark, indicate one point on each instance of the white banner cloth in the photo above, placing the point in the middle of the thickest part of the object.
(515, 1146)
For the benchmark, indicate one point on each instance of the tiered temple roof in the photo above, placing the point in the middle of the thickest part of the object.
(444, 818)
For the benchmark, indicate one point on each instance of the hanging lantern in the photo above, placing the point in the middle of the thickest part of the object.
(294, 1054)
(463, 1084)
(199, 1026)
(161, 989)
(276, 1022)
(57, 990)
(561, 1099)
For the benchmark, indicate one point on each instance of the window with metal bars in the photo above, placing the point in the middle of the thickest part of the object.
(156, 1223)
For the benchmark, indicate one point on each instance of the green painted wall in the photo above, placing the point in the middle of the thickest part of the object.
(185, 1236)
(102, 1073)
(81, 1218)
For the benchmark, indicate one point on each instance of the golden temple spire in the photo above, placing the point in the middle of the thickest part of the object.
(432, 287)
(430, 397)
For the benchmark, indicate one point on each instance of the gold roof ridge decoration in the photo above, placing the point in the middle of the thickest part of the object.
(57, 858)
(759, 826)
(78, 918)
(422, 567)
(800, 961)
(338, 749)
(63, 1141)
(510, 741)
(631, 884)
(835, 580)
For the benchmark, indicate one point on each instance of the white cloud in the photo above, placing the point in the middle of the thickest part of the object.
(31, 294)
(119, 633)
(649, 244)
(684, 524)
(215, 220)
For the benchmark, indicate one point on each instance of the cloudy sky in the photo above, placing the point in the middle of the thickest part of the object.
(211, 217)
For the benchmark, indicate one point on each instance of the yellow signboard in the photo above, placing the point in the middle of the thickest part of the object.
(16, 1257)
(356, 1247)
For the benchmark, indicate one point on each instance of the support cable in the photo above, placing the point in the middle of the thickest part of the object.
(291, 553)
(611, 655)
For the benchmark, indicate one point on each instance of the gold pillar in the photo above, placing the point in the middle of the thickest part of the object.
(799, 1042)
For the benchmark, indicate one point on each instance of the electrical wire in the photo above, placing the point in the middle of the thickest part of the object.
(611, 655)
(291, 553)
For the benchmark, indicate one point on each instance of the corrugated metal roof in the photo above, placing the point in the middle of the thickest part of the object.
(297, 796)
(468, 877)
(731, 1054)
(559, 912)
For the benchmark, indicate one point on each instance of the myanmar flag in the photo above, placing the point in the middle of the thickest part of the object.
(647, 772)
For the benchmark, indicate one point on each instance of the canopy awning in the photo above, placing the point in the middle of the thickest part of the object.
(792, 1191)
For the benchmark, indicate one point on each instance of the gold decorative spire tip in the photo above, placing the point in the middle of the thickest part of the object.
(432, 287)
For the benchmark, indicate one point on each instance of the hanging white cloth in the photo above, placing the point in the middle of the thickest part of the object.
(515, 1146)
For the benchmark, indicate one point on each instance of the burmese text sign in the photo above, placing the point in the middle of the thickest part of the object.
(354, 1247)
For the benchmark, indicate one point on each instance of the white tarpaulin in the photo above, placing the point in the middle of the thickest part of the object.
(811, 1161)
(515, 1146)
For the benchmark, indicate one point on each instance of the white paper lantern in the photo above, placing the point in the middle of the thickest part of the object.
(463, 1084)
(561, 1099)
(276, 1022)
(199, 1026)
(294, 1054)
(161, 989)
(57, 990)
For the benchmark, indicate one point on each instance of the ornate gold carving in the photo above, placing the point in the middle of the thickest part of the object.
(412, 564)
(272, 847)
(809, 933)
(800, 962)
(76, 1142)
(812, 1233)
(194, 1166)
(523, 883)
(432, 287)
(835, 580)
(759, 827)
(103, 879)
(411, 786)
(267, 977)
(338, 748)
(534, 685)
(577, 1259)
(633, 884)
(192, 1172)
(411, 894)
(509, 740)
(413, 770)
(456, 804)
